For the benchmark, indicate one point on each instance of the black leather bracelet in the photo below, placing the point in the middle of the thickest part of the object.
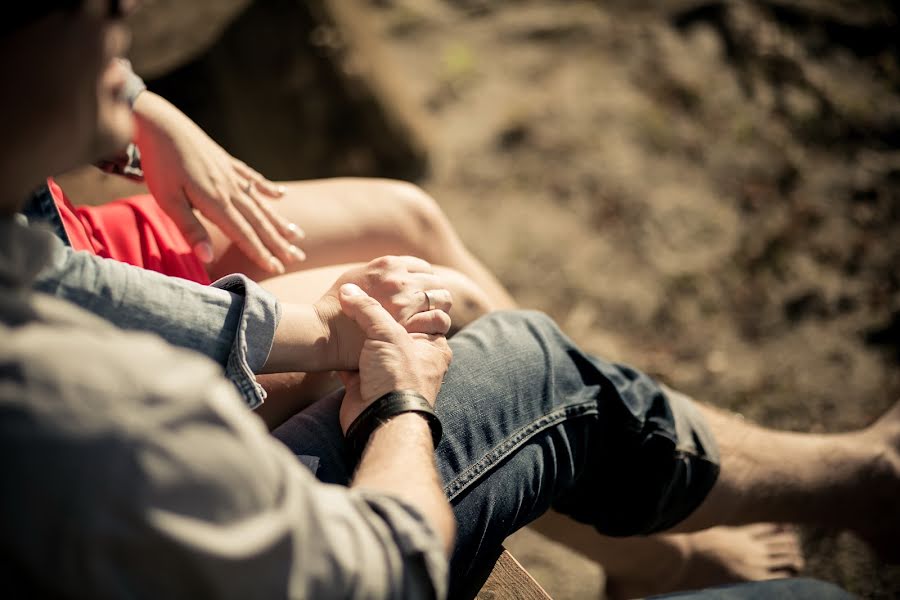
(388, 406)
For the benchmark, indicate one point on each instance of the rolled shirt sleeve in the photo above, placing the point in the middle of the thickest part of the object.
(136, 472)
(233, 321)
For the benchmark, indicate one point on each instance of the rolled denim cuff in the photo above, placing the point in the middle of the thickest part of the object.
(655, 449)
(253, 338)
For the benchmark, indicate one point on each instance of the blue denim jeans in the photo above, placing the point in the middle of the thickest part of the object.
(532, 422)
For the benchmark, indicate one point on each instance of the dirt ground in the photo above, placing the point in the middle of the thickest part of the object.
(708, 190)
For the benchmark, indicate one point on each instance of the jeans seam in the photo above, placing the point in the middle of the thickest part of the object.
(512, 442)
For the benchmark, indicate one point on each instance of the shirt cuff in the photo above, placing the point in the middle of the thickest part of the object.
(254, 336)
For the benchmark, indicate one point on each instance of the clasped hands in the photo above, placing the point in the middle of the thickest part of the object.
(387, 324)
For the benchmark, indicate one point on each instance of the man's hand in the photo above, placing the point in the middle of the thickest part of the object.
(399, 457)
(186, 170)
(391, 357)
(398, 284)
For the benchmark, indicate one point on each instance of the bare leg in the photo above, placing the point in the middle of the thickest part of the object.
(842, 481)
(350, 220)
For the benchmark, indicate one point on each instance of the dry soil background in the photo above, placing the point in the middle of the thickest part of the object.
(710, 190)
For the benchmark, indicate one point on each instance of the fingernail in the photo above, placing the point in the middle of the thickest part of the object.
(204, 251)
(281, 189)
(351, 289)
(297, 253)
(276, 264)
(296, 231)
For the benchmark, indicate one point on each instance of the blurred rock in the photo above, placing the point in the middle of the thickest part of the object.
(298, 90)
(167, 34)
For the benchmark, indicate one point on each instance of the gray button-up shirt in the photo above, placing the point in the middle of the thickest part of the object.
(132, 469)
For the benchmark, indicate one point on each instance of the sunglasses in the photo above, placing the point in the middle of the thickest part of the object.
(21, 14)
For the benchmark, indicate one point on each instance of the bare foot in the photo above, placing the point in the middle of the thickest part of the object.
(712, 557)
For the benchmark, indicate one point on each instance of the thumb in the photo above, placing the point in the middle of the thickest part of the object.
(182, 214)
(372, 318)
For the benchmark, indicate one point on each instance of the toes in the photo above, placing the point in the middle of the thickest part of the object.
(783, 545)
(788, 528)
(770, 530)
(786, 554)
(792, 568)
(785, 536)
(761, 530)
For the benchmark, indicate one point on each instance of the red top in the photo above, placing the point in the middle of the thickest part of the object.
(134, 230)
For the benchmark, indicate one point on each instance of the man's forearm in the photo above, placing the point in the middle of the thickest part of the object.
(399, 460)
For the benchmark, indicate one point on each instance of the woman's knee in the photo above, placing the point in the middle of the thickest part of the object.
(419, 220)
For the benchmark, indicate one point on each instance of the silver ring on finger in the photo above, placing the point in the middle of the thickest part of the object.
(430, 299)
(248, 187)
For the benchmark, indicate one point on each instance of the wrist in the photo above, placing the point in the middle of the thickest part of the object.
(149, 119)
(156, 118)
(386, 408)
(301, 342)
(146, 105)
(328, 314)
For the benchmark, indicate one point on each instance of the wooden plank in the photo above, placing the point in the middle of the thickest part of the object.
(510, 581)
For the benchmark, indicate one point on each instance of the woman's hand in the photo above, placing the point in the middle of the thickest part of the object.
(391, 358)
(398, 284)
(186, 170)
